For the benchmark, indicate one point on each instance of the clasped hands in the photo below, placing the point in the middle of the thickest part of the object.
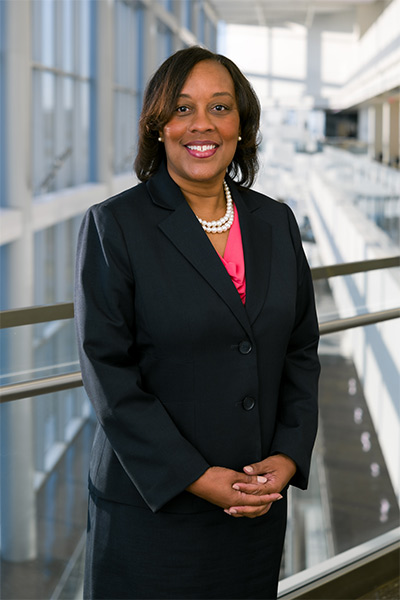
(248, 494)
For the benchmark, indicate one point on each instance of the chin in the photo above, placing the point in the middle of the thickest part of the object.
(204, 175)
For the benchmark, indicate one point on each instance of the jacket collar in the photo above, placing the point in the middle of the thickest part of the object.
(184, 231)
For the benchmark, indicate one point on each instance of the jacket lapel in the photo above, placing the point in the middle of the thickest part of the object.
(185, 232)
(257, 247)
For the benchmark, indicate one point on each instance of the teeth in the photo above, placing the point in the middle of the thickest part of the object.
(202, 148)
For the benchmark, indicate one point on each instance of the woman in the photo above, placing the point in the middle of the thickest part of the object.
(198, 351)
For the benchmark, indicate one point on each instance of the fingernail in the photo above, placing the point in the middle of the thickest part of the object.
(227, 512)
(261, 479)
(248, 469)
(232, 511)
(280, 497)
(235, 486)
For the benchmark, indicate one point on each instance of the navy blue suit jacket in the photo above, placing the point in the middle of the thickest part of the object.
(181, 374)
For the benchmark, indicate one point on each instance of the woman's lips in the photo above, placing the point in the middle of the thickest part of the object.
(201, 150)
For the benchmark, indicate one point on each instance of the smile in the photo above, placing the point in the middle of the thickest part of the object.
(204, 148)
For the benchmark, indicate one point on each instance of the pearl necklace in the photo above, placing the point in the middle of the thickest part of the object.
(225, 222)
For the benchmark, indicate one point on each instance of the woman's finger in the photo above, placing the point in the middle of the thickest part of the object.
(247, 488)
(248, 511)
(255, 468)
(252, 500)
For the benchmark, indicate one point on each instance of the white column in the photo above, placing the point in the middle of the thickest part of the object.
(104, 92)
(378, 132)
(18, 518)
(386, 133)
(394, 143)
(18, 509)
(196, 19)
(371, 131)
(150, 43)
(176, 39)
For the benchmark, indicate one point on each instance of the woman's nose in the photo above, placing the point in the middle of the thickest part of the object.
(201, 121)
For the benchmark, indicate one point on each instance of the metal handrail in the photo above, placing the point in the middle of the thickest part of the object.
(36, 314)
(351, 268)
(65, 310)
(373, 562)
(36, 387)
(58, 383)
(358, 321)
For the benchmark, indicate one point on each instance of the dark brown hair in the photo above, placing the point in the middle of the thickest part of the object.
(160, 100)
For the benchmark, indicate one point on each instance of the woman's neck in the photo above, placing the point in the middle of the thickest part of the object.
(206, 199)
(209, 206)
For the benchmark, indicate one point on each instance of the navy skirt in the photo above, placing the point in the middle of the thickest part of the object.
(132, 553)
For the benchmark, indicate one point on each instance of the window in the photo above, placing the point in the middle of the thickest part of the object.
(167, 4)
(187, 14)
(126, 84)
(201, 24)
(3, 201)
(164, 42)
(54, 345)
(207, 31)
(210, 34)
(62, 93)
(4, 305)
(54, 262)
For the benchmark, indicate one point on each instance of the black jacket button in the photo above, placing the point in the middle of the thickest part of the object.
(245, 347)
(248, 403)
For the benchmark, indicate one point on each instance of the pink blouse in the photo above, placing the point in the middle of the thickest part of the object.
(233, 258)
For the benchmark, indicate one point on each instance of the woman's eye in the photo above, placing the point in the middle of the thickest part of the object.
(220, 108)
(182, 109)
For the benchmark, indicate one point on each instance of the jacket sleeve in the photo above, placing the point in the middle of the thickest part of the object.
(158, 459)
(297, 420)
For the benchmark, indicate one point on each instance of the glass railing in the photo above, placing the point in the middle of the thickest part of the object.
(19, 383)
(51, 362)
(348, 516)
(351, 508)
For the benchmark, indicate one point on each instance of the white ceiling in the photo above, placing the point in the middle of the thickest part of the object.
(267, 12)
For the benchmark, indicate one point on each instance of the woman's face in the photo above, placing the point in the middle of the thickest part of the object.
(201, 136)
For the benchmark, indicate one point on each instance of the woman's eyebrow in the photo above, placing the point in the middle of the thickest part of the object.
(214, 95)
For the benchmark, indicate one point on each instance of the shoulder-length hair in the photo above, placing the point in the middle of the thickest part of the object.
(161, 97)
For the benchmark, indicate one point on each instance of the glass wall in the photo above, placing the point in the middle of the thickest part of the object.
(164, 41)
(127, 37)
(187, 14)
(210, 34)
(4, 338)
(54, 262)
(57, 419)
(167, 4)
(206, 29)
(2, 107)
(56, 416)
(351, 497)
(61, 90)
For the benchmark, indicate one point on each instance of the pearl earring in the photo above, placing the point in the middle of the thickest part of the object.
(160, 139)
(239, 138)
